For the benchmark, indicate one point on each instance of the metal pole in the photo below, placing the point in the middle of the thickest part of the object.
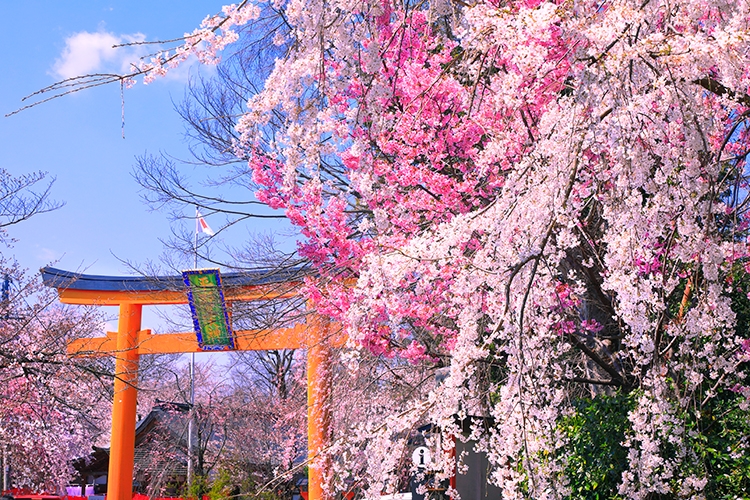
(195, 240)
(192, 371)
(190, 421)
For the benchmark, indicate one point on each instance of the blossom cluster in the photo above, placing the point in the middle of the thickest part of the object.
(553, 188)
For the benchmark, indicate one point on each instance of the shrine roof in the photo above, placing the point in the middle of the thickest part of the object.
(67, 280)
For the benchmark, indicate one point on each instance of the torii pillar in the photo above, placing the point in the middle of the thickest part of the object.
(130, 294)
(318, 409)
(122, 443)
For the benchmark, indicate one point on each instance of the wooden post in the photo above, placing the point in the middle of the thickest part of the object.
(122, 444)
(318, 408)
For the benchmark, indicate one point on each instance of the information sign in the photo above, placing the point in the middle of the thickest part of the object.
(421, 457)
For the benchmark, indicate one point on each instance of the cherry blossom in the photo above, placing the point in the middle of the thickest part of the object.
(553, 189)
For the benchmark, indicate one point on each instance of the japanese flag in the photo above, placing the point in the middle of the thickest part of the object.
(201, 226)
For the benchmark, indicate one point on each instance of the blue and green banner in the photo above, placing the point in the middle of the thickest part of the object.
(209, 310)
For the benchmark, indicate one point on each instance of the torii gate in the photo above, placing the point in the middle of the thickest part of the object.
(130, 294)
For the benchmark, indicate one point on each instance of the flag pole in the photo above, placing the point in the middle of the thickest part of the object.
(192, 370)
(195, 239)
(200, 226)
(190, 421)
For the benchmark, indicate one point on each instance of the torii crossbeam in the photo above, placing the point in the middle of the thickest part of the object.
(130, 294)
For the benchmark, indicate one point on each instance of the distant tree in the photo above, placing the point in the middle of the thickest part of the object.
(267, 441)
(53, 408)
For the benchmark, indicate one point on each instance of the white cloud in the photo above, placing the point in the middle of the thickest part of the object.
(86, 53)
(47, 256)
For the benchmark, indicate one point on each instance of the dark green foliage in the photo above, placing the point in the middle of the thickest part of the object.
(722, 432)
(596, 456)
(738, 288)
(721, 438)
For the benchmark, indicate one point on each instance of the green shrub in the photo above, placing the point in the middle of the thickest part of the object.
(595, 434)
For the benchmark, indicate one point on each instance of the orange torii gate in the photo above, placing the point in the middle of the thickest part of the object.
(131, 293)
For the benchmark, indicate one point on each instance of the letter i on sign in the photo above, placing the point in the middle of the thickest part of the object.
(421, 457)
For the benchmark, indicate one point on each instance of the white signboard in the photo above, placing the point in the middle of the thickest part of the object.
(421, 457)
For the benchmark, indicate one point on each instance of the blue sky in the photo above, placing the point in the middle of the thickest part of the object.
(78, 139)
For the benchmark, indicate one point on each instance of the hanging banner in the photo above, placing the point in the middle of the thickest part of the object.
(209, 310)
